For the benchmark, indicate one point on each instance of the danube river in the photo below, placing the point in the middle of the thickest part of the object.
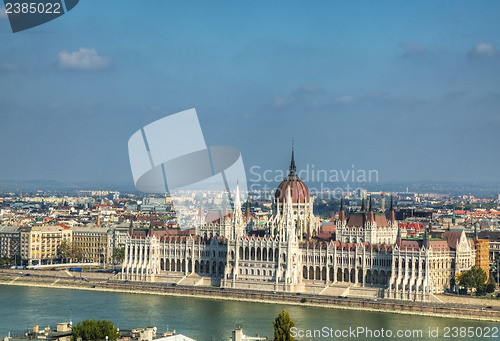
(206, 319)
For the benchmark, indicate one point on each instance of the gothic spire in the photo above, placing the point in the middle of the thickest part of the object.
(371, 216)
(426, 237)
(293, 169)
(341, 211)
(392, 216)
(237, 201)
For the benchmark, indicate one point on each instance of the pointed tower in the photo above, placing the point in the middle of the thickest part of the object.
(392, 221)
(293, 169)
(341, 222)
(238, 226)
(426, 238)
(290, 219)
(392, 215)
(300, 200)
(398, 237)
(150, 228)
(371, 216)
(248, 214)
(363, 208)
(131, 227)
(341, 211)
(453, 217)
(288, 227)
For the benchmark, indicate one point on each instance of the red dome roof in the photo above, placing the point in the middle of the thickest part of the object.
(298, 189)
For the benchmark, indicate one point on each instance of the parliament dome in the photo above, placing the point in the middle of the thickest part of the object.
(298, 189)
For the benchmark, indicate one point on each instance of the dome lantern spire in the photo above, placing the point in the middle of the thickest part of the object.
(293, 169)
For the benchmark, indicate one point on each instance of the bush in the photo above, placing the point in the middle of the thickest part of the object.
(490, 288)
(92, 330)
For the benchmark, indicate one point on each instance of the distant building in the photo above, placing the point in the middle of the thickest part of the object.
(40, 244)
(94, 243)
(406, 213)
(483, 255)
(493, 238)
(61, 333)
(239, 336)
(9, 241)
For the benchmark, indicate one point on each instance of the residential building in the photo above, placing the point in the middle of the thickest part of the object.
(41, 244)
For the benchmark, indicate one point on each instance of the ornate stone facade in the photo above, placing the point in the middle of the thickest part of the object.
(368, 253)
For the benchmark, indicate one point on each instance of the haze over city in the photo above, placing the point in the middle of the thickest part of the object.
(409, 90)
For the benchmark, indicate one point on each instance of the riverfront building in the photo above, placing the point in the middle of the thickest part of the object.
(9, 241)
(42, 244)
(366, 257)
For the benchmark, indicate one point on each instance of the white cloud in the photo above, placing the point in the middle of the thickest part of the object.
(344, 99)
(83, 59)
(483, 50)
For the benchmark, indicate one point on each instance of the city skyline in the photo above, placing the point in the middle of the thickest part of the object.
(408, 90)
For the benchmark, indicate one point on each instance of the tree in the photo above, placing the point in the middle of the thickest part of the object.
(282, 326)
(92, 330)
(119, 254)
(475, 278)
(70, 252)
(65, 250)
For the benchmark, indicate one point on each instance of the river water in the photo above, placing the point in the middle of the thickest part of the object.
(207, 319)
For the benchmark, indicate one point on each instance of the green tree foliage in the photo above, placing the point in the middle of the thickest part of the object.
(5, 261)
(70, 252)
(475, 278)
(282, 326)
(119, 254)
(92, 330)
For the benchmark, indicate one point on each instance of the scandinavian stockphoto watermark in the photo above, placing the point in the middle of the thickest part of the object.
(362, 333)
(26, 14)
(171, 156)
(322, 183)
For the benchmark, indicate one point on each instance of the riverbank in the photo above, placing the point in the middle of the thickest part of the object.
(105, 282)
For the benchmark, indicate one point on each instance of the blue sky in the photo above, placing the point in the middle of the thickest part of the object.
(411, 89)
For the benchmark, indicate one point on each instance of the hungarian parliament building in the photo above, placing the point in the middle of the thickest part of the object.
(365, 257)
